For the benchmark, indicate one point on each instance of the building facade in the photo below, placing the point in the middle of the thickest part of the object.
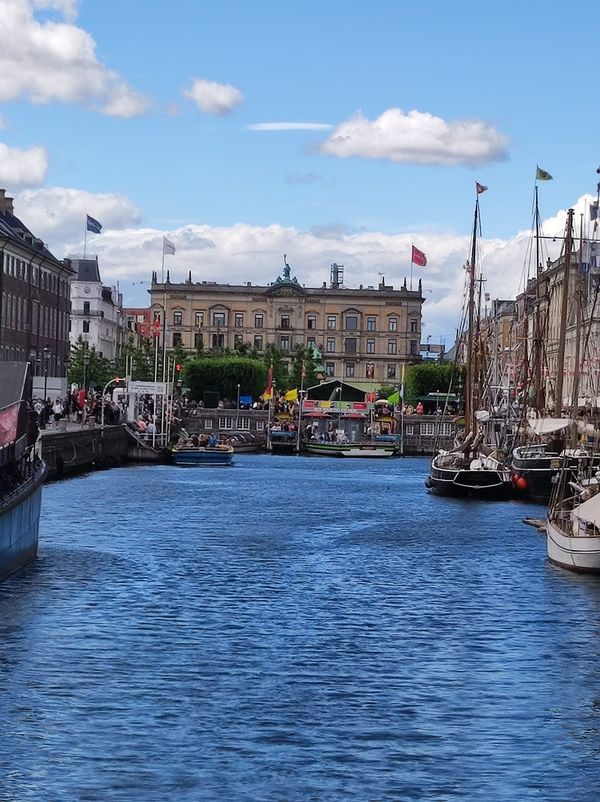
(34, 286)
(96, 310)
(364, 335)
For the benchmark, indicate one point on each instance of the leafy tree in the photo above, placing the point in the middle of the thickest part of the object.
(223, 374)
(303, 358)
(433, 377)
(86, 366)
(275, 356)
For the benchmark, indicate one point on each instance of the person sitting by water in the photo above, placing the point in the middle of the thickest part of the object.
(212, 440)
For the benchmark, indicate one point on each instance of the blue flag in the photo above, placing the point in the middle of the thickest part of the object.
(93, 225)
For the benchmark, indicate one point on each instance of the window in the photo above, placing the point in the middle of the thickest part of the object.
(284, 342)
(244, 423)
(311, 322)
(350, 370)
(428, 429)
(391, 371)
(332, 321)
(393, 324)
(370, 370)
(86, 307)
(351, 322)
(330, 345)
(258, 321)
(177, 317)
(218, 340)
(260, 425)
(208, 423)
(176, 338)
(285, 321)
(414, 348)
(311, 343)
(258, 342)
(86, 326)
(238, 320)
(218, 318)
(350, 345)
(409, 429)
(225, 423)
(238, 340)
(371, 324)
(392, 347)
(447, 429)
(370, 346)
(330, 368)
(199, 319)
(198, 340)
(413, 325)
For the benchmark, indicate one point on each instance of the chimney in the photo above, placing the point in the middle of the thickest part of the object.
(6, 204)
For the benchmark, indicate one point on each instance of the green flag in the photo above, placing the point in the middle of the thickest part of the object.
(394, 398)
(542, 175)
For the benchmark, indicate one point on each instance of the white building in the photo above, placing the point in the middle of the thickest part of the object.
(96, 310)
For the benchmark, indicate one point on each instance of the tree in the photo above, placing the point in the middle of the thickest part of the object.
(87, 367)
(223, 374)
(304, 359)
(434, 377)
(274, 357)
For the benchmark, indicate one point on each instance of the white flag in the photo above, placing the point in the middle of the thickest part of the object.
(168, 246)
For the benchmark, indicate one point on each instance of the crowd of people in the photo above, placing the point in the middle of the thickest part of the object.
(77, 406)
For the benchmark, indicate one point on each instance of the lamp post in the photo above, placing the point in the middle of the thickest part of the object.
(46, 357)
(237, 410)
(86, 359)
(339, 392)
(116, 380)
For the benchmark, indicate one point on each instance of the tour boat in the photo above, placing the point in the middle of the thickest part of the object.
(191, 456)
(350, 449)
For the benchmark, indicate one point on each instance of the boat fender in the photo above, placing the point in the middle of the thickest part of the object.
(515, 478)
(521, 483)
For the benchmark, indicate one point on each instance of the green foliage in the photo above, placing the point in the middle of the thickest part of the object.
(275, 356)
(386, 390)
(138, 360)
(223, 374)
(87, 366)
(303, 357)
(432, 377)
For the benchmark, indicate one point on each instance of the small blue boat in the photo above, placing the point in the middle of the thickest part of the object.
(202, 455)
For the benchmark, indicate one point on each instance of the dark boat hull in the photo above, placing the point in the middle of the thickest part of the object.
(534, 474)
(466, 483)
(19, 522)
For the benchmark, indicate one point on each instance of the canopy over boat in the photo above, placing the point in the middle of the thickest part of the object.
(589, 511)
(547, 425)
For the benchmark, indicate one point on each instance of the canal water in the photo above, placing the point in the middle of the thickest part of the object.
(294, 629)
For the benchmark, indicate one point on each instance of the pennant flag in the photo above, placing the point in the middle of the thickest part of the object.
(594, 211)
(291, 395)
(268, 393)
(394, 398)
(370, 397)
(93, 225)
(479, 188)
(168, 246)
(418, 257)
(542, 175)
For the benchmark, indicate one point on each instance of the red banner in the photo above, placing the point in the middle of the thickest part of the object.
(9, 418)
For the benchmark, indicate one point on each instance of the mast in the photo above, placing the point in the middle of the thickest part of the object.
(560, 363)
(470, 377)
(575, 388)
(537, 334)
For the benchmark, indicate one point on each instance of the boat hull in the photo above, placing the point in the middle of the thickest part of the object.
(191, 458)
(19, 523)
(349, 449)
(573, 553)
(466, 483)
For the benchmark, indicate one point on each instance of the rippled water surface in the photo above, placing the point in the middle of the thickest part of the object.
(294, 629)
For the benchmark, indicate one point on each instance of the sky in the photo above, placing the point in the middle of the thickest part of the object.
(337, 131)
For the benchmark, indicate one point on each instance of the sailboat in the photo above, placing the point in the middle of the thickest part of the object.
(472, 469)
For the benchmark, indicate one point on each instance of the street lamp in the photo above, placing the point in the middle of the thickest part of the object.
(237, 412)
(116, 380)
(46, 357)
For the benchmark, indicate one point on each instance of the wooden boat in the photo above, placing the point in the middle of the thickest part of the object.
(457, 474)
(573, 529)
(192, 456)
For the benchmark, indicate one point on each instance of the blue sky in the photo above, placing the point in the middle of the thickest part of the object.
(500, 87)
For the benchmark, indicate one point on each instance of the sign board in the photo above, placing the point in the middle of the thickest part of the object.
(147, 388)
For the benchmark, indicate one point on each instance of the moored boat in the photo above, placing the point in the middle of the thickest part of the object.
(573, 530)
(366, 449)
(457, 474)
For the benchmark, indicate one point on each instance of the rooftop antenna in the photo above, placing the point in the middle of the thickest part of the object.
(336, 278)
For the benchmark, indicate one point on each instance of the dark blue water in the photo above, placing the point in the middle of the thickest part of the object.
(294, 629)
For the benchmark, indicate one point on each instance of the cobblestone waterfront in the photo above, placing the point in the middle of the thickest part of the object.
(294, 629)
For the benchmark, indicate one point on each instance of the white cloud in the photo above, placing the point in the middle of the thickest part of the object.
(241, 253)
(22, 167)
(417, 138)
(214, 98)
(48, 61)
(289, 127)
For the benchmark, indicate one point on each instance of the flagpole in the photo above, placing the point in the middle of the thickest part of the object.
(402, 413)
(273, 385)
(300, 410)
(155, 382)
(411, 272)
(85, 238)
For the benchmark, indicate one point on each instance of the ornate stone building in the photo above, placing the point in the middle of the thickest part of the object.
(364, 335)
